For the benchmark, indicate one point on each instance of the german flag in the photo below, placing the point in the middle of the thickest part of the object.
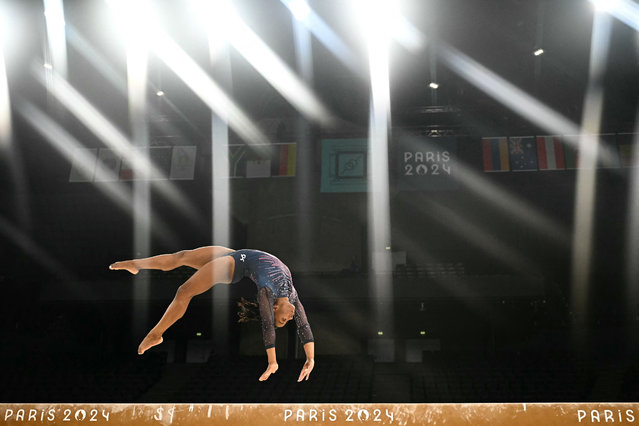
(284, 160)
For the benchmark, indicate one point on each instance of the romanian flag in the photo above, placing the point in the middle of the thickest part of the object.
(496, 156)
(550, 153)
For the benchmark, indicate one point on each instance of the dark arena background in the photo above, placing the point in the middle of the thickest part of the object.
(454, 185)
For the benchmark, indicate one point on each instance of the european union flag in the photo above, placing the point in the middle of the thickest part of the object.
(523, 153)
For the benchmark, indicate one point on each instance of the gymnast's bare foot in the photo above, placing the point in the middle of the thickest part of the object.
(149, 341)
(126, 265)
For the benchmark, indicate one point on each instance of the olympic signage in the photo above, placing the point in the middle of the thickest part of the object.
(426, 163)
(482, 414)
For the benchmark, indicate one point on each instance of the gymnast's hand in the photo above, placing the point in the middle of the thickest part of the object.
(272, 368)
(306, 370)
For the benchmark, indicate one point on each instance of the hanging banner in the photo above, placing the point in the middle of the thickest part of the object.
(334, 414)
(426, 163)
(260, 161)
(344, 165)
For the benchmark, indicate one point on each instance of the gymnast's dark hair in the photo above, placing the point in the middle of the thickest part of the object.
(249, 311)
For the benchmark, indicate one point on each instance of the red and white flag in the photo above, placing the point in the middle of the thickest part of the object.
(550, 153)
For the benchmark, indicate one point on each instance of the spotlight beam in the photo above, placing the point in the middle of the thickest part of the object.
(54, 13)
(513, 205)
(221, 202)
(309, 19)
(586, 174)
(70, 148)
(475, 235)
(203, 86)
(169, 52)
(517, 100)
(304, 187)
(137, 63)
(106, 70)
(5, 103)
(232, 28)
(506, 93)
(624, 10)
(373, 15)
(632, 239)
(115, 139)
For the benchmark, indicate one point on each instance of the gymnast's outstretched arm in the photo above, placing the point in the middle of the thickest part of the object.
(309, 350)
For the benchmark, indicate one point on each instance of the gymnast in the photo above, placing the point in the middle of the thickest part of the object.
(277, 298)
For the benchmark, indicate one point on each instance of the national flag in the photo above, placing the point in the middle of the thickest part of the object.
(183, 162)
(158, 156)
(284, 160)
(263, 160)
(495, 152)
(108, 166)
(258, 168)
(83, 167)
(237, 160)
(571, 152)
(606, 155)
(626, 147)
(607, 152)
(550, 153)
(523, 153)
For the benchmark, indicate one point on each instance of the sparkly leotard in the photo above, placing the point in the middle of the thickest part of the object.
(273, 280)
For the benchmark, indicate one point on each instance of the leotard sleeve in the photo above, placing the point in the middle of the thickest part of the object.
(303, 328)
(265, 301)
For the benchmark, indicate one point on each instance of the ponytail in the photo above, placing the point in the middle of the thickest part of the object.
(249, 311)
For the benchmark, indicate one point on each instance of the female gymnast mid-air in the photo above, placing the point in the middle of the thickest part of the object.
(277, 298)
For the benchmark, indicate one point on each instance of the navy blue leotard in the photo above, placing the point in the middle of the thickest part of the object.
(273, 280)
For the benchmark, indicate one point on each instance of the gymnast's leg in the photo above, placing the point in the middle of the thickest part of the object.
(217, 271)
(195, 258)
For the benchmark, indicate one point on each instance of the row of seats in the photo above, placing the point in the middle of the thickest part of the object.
(65, 377)
(513, 378)
(235, 380)
(440, 378)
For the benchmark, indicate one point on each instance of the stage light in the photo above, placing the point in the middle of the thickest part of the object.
(159, 93)
(380, 333)
(48, 66)
(4, 30)
(169, 52)
(324, 33)
(299, 8)
(5, 106)
(383, 18)
(11, 33)
(198, 334)
(136, 18)
(56, 36)
(423, 333)
(626, 11)
(433, 85)
(585, 187)
(538, 52)
(234, 30)
(605, 5)
(374, 25)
